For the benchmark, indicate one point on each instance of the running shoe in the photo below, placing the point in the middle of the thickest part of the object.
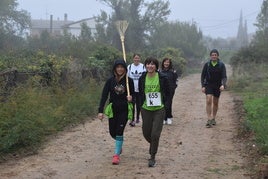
(209, 125)
(169, 121)
(116, 160)
(132, 123)
(151, 163)
(213, 122)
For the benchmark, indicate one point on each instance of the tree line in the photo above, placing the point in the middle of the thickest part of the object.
(148, 33)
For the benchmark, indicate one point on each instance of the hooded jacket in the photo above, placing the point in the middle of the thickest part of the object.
(116, 91)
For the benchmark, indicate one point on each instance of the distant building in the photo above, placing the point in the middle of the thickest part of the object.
(74, 28)
(58, 27)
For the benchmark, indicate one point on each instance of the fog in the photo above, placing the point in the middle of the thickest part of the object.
(218, 18)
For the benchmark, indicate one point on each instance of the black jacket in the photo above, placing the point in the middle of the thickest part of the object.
(118, 100)
(213, 75)
(172, 77)
(164, 88)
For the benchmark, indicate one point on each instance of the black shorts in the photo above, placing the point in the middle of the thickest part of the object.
(213, 90)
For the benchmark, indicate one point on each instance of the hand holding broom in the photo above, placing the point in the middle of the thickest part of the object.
(121, 28)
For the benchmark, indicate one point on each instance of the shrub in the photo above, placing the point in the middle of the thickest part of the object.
(32, 113)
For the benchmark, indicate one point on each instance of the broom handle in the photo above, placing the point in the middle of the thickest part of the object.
(124, 56)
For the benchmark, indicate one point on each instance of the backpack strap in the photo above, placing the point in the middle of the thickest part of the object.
(219, 61)
(208, 65)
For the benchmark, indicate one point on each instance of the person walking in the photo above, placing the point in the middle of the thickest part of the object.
(167, 68)
(213, 82)
(135, 71)
(119, 108)
(155, 92)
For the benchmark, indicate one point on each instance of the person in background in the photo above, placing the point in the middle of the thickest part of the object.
(135, 71)
(118, 108)
(154, 90)
(167, 68)
(213, 82)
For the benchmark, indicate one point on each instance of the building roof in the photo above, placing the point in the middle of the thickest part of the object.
(80, 21)
(44, 24)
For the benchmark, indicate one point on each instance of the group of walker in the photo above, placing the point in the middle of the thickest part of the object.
(151, 92)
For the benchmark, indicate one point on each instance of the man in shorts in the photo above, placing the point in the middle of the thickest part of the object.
(213, 81)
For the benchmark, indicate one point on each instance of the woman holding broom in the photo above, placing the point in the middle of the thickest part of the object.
(119, 109)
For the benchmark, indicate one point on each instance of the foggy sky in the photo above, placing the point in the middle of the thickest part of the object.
(216, 18)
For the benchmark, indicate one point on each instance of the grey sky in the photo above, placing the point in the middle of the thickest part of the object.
(217, 18)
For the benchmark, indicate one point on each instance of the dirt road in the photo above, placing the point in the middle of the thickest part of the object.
(187, 149)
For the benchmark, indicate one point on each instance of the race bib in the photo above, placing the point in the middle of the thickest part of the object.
(153, 99)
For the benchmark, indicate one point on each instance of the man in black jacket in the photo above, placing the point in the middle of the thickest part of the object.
(213, 81)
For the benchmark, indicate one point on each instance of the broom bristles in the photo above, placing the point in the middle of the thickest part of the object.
(121, 27)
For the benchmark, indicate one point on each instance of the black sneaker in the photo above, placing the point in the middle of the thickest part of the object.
(151, 163)
(213, 122)
(209, 124)
(132, 123)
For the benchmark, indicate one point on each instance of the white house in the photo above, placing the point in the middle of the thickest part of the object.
(74, 28)
(57, 27)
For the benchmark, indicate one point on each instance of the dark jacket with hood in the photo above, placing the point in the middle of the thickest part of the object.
(164, 88)
(116, 90)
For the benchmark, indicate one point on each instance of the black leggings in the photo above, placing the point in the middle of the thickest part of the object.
(136, 104)
(169, 107)
(118, 123)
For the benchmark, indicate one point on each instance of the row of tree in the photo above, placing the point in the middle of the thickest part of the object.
(149, 33)
(148, 30)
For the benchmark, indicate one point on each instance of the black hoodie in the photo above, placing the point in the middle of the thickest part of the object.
(116, 90)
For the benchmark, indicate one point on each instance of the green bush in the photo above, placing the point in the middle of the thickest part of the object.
(32, 113)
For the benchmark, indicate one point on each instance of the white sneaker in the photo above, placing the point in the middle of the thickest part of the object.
(169, 121)
(164, 122)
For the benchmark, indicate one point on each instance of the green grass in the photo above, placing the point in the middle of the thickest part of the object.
(31, 113)
(257, 120)
(216, 171)
(252, 86)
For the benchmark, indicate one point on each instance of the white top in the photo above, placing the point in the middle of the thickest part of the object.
(135, 72)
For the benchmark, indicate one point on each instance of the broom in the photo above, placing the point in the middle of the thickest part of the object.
(121, 28)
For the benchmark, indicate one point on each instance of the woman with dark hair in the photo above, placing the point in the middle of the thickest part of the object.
(118, 110)
(172, 76)
(135, 70)
(154, 91)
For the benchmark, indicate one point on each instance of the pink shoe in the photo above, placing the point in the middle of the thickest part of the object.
(115, 160)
